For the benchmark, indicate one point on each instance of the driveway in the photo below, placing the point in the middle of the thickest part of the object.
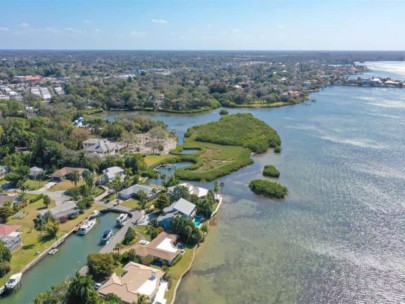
(160, 295)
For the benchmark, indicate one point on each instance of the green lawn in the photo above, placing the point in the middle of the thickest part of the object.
(131, 203)
(97, 191)
(153, 160)
(143, 229)
(66, 185)
(35, 185)
(32, 238)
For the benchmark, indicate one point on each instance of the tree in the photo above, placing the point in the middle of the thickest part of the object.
(129, 256)
(47, 201)
(74, 177)
(111, 298)
(5, 212)
(143, 300)
(130, 236)
(162, 202)
(118, 247)
(142, 197)
(81, 290)
(101, 266)
(51, 228)
(5, 257)
(89, 180)
(216, 186)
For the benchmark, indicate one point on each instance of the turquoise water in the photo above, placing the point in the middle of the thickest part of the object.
(72, 255)
(197, 221)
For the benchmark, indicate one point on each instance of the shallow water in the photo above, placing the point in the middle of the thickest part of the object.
(339, 235)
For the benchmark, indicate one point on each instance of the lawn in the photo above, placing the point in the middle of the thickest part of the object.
(177, 271)
(35, 185)
(98, 191)
(131, 203)
(154, 160)
(143, 229)
(32, 239)
(66, 185)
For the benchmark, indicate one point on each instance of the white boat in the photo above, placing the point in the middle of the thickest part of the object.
(121, 219)
(94, 214)
(13, 281)
(107, 235)
(86, 226)
(53, 251)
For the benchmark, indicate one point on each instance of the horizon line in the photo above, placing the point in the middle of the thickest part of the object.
(202, 50)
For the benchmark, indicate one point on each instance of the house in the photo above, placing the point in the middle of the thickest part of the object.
(111, 173)
(136, 280)
(192, 190)
(11, 236)
(34, 172)
(101, 146)
(130, 192)
(65, 210)
(181, 207)
(3, 171)
(161, 247)
(63, 173)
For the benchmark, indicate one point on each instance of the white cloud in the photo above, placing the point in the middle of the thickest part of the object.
(25, 24)
(87, 21)
(52, 30)
(160, 21)
(4, 29)
(137, 34)
(74, 31)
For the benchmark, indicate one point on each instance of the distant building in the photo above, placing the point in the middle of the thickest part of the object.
(181, 207)
(6, 198)
(192, 190)
(101, 146)
(34, 172)
(63, 173)
(65, 210)
(130, 192)
(111, 173)
(137, 280)
(11, 236)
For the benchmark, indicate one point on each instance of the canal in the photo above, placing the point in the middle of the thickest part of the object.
(55, 269)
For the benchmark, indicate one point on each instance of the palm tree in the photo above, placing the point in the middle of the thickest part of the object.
(75, 177)
(142, 300)
(81, 290)
(118, 247)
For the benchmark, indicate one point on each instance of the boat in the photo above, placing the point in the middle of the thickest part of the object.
(121, 219)
(14, 280)
(94, 214)
(86, 226)
(53, 251)
(106, 236)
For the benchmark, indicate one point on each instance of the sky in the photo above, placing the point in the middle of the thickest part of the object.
(203, 24)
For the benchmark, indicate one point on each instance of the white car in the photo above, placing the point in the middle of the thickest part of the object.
(143, 242)
(97, 286)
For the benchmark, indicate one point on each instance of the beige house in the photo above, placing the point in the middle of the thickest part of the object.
(161, 247)
(137, 280)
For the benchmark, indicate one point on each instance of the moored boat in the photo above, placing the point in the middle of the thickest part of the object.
(94, 214)
(14, 280)
(53, 251)
(121, 219)
(86, 226)
(107, 235)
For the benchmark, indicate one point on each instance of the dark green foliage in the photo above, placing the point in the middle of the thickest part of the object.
(223, 112)
(101, 266)
(5, 212)
(149, 173)
(81, 290)
(36, 198)
(4, 268)
(129, 256)
(237, 130)
(271, 171)
(130, 236)
(112, 299)
(162, 201)
(267, 188)
(186, 231)
(5, 257)
(277, 149)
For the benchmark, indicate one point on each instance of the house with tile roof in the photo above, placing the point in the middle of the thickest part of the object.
(11, 236)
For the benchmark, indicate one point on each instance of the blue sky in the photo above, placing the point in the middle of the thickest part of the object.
(203, 24)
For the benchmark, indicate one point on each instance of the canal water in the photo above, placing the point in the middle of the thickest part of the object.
(71, 257)
(339, 235)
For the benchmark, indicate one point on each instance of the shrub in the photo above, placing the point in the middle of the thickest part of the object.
(4, 268)
(277, 149)
(36, 198)
(130, 236)
(63, 219)
(101, 266)
(267, 188)
(271, 171)
(150, 174)
(223, 112)
(129, 256)
(73, 216)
